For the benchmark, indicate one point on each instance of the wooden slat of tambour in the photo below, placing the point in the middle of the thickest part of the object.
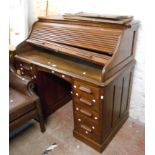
(97, 58)
(73, 39)
(72, 43)
(96, 39)
(79, 34)
(101, 35)
(44, 24)
(96, 32)
(79, 28)
(72, 48)
(111, 42)
(113, 33)
(78, 43)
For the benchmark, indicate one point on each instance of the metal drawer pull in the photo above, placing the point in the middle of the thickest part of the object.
(77, 109)
(96, 118)
(77, 94)
(89, 114)
(85, 89)
(86, 101)
(79, 120)
(86, 128)
(102, 97)
(93, 127)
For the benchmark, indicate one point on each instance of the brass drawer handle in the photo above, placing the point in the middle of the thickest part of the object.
(86, 128)
(85, 89)
(87, 113)
(86, 101)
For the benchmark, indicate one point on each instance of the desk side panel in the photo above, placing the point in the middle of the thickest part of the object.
(116, 104)
(125, 53)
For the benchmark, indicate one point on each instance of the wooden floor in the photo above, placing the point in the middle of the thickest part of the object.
(128, 141)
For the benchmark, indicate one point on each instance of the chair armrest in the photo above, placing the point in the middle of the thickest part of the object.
(12, 50)
(22, 84)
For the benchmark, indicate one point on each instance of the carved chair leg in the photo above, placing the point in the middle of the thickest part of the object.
(40, 117)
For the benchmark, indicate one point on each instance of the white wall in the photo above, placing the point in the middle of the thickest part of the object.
(119, 7)
(18, 19)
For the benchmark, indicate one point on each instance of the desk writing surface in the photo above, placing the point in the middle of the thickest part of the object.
(65, 63)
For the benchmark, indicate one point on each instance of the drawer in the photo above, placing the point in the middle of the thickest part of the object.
(86, 89)
(25, 69)
(63, 76)
(23, 65)
(86, 128)
(86, 101)
(87, 114)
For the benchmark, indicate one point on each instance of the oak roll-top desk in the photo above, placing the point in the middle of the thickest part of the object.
(89, 62)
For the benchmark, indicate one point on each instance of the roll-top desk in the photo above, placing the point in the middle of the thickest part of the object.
(89, 62)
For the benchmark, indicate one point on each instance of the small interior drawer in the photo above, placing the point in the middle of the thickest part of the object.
(24, 68)
(24, 65)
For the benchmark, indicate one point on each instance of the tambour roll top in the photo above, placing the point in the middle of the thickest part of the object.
(109, 45)
(101, 40)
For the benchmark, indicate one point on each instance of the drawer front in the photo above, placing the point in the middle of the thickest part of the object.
(63, 76)
(86, 101)
(24, 68)
(87, 128)
(87, 114)
(86, 89)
